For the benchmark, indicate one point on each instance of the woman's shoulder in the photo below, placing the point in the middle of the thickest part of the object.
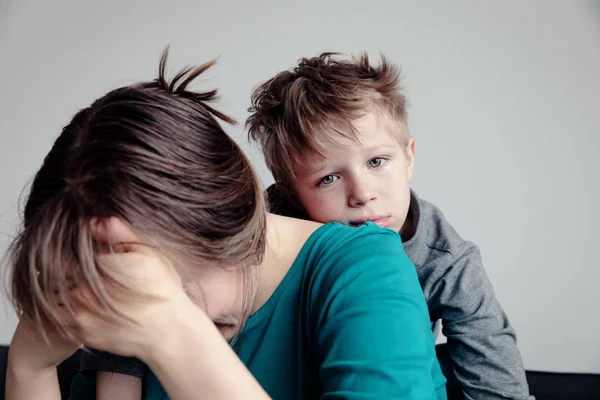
(302, 231)
(336, 252)
(338, 237)
(327, 252)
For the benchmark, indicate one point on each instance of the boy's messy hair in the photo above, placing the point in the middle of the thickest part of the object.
(299, 110)
(154, 155)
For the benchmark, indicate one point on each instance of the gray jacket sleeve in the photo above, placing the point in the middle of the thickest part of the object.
(482, 345)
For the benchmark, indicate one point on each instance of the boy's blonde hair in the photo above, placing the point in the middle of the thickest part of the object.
(299, 110)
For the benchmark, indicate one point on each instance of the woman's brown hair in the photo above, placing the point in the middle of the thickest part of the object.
(154, 155)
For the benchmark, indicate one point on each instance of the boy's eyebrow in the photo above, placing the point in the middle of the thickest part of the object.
(379, 147)
(318, 167)
(314, 169)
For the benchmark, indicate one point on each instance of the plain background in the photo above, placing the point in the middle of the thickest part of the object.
(505, 104)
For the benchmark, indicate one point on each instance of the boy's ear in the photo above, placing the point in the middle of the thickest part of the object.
(292, 199)
(289, 194)
(410, 156)
(284, 190)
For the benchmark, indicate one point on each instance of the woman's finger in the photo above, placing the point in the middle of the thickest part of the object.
(126, 270)
(136, 272)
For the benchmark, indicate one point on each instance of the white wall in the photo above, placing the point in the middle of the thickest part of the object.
(505, 102)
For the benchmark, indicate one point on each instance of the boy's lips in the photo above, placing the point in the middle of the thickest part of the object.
(381, 220)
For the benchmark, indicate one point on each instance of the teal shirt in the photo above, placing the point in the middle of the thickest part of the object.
(348, 321)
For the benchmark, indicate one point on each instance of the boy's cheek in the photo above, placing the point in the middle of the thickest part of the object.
(324, 208)
(323, 205)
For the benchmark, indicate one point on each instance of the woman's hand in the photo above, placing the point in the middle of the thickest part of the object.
(146, 290)
(160, 325)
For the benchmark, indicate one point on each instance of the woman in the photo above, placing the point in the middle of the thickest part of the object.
(146, 235)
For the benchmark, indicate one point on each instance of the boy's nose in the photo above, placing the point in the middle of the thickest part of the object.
(360, 194)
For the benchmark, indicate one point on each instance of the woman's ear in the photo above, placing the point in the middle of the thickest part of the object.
(114, 232)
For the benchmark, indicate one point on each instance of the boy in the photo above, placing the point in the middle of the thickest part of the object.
(334, 135)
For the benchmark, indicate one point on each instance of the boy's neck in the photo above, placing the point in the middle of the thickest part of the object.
(407, 231)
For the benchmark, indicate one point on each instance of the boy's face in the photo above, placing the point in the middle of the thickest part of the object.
(358, 181)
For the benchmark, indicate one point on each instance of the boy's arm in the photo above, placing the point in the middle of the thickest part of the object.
(115, 386)
(481, 342)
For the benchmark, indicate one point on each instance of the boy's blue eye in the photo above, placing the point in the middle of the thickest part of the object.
(376, 162)
(329, 179)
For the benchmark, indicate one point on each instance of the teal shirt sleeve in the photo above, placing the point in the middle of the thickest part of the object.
(371, 331)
